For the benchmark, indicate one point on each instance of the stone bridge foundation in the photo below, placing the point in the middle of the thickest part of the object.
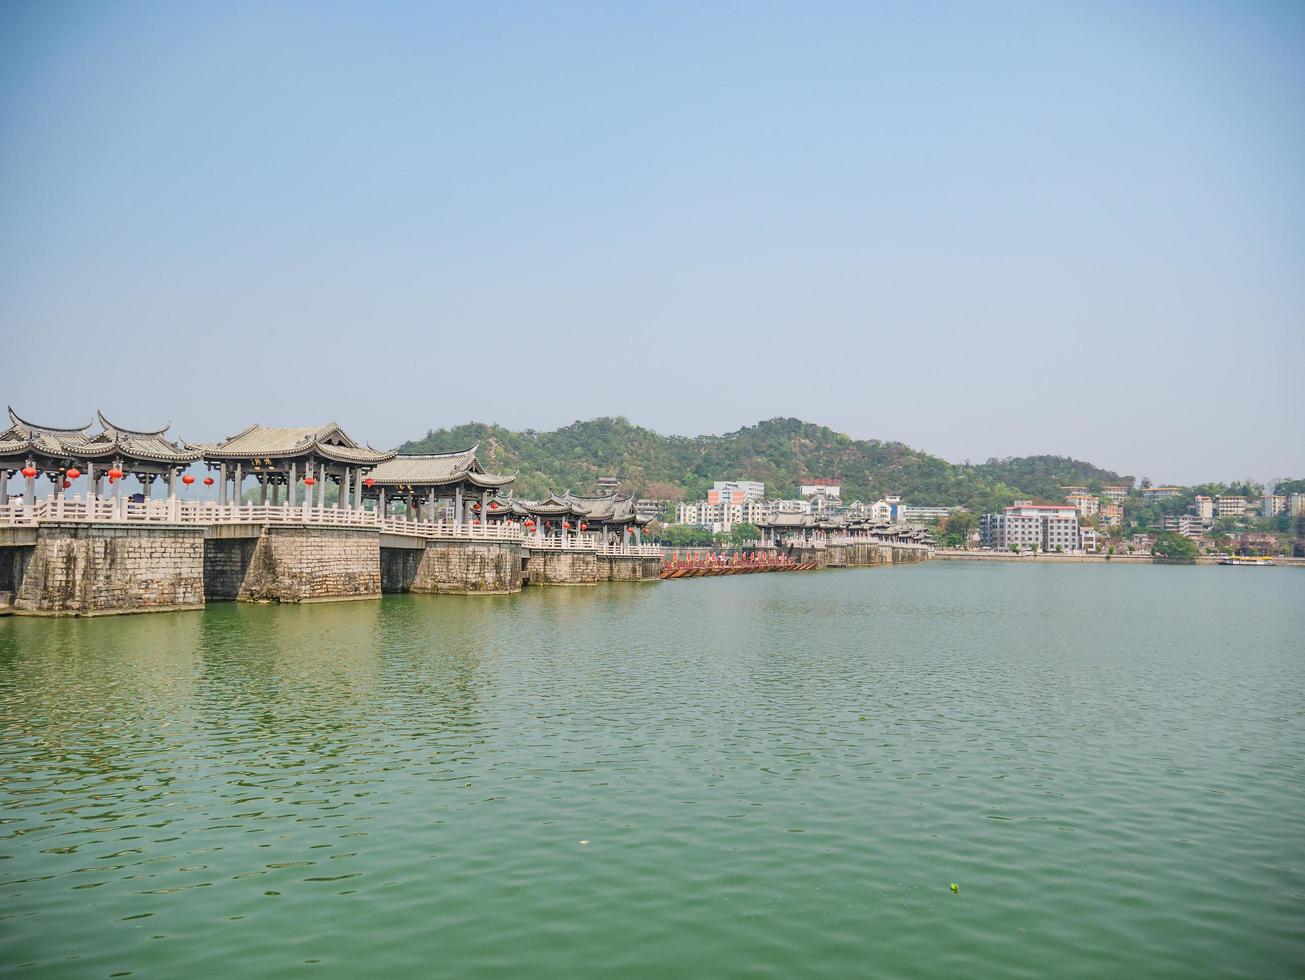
(628, 568)
(76, 569)
(466, 568)
(296, 563)
(562, 567)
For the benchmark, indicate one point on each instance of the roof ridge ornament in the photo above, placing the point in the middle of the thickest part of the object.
(19, 420)
(131, 432)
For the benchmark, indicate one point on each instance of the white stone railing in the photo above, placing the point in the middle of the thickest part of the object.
(631, 550)
(177, 511)
(565, 541)
(492, 531)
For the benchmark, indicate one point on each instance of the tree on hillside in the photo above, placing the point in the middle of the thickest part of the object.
(957, 527)
(1175, 546)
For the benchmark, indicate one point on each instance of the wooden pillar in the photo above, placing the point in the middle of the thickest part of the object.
(290, 484)
(380, 504)
(237, 486)
(172, 482)
(262, 489)
(343, 500)
(321, 485)
(29, 492)
(276, 492)
(222, 483)
(357, 489)
(457, 506)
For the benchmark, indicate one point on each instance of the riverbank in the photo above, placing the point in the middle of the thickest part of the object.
(947, 554)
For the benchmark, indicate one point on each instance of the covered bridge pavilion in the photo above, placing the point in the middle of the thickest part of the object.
(279, 457)
(608, 517)
(427, 483)
(63, 455)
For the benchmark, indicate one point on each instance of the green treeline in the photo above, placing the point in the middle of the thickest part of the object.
(780, 452)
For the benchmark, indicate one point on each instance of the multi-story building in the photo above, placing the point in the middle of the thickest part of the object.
(1029, 526)
(774, 507)
(1111, 515)
(1229, 506)
(1089, 539)
(1296, 504)
(1115, 492)
(1203, 507)
(1142, 543)
(920, 513)
(1273, 504)
(722, 516)
(830, 488)
(735, 491)
(1160, 493)
(1085, 503)
(1073, 491)
(607, 485)
(1188, 525)
(650, 507)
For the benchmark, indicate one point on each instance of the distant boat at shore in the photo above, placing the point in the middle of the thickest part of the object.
(1246, 560)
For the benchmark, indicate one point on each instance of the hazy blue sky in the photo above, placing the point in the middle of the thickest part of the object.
(982, 229)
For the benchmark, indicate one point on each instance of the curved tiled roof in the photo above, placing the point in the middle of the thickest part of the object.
(24, 438)
(609, 509)
(262, 441)
(437, 469)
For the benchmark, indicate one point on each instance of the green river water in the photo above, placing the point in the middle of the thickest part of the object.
(775, 775)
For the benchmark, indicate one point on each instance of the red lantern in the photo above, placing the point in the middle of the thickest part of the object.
(29, 471)
(493, 505)
(187, 479)
(74, 473)
(584, 527)
(530, 523)
(115, 474)
(566, 525)
(67, 484)
(309, 481)
(208, 481)
(368, 482)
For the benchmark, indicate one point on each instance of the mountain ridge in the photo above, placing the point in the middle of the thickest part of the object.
(780, 452)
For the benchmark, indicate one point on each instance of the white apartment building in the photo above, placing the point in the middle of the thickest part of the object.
(1085, 503)
(1090, 540)
(1115, 493)
(1273, 504)
(919, 514)
(1028, 526)
(1229, 506)
(735, 491)
(1296, 504)
(720, 517)
(830, 488)
(1160, 493)
(1188, 525)
(1204, 508)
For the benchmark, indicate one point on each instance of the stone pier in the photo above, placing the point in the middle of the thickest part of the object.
(87, 569)
(628, 568)
(562, 567)
(465, 568)
(295, 563)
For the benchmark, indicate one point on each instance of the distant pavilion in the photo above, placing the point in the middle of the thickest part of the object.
(610, 517)
(428, 483)
(283, 458)
(65, 454)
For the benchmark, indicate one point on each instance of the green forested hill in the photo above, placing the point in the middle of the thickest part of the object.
(780, 452)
